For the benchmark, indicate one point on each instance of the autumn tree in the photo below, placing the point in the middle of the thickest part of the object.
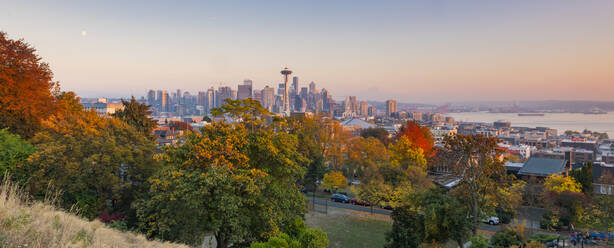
(334, 180)
(236, 181)
(394, 180)
(419, 136)
(137, 114)
(312, 137)
(560, 183)
(97, 164)
(364, 153)
(376, 132)
(26, 92)
(475, 159)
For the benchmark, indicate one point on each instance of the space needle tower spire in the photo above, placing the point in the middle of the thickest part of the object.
(286, 73)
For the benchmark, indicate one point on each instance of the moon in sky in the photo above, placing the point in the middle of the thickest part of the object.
(83, 33)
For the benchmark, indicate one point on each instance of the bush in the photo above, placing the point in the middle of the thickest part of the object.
(550, 221)
(313, 238)
(504, 215)
(543, 238)
(478, 242)
(506, 238)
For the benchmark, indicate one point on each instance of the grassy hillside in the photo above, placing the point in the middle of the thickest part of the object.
(36, 224)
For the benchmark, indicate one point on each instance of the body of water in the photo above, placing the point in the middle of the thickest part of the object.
(559, 121)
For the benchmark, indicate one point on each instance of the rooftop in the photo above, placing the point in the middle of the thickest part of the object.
(543, 167)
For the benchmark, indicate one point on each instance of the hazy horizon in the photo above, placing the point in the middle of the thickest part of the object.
(411, 51)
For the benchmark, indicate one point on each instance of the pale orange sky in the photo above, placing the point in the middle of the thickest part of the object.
(413, 51)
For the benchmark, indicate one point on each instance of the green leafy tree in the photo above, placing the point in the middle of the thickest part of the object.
(137, 115)
(584, 176)
(300, 237)
(407, 228)
(26, 92)
(13, 154)
(476, 160)
(238, 183)
(312, 136)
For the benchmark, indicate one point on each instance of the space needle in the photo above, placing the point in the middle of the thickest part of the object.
(286, 73)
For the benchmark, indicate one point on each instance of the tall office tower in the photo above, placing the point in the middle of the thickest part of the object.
(304, 92)
(312, 88)
(295, 88)
(372, 111)
(354, 105)
(223, 93)
(286, 73)
(159, 99)
(391, 107)
(280, 89)
(202, 98)
(326, 101)
(164, 101)
(210, 100)
(257, 95)
(178, 97)
(151, 98)
(244, 90)
(364, 109)
(268, 98)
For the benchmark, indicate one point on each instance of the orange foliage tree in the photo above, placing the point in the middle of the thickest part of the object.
(420, 136)
(26, 97)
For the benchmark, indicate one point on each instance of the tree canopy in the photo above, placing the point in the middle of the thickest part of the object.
(137, 115)
(26, 95)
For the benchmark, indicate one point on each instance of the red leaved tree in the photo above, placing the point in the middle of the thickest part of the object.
(419, 135)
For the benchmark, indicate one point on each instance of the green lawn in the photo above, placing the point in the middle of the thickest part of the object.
(350, 231)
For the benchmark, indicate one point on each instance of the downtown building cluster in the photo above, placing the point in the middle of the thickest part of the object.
(289, 97)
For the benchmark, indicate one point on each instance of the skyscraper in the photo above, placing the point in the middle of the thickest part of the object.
(210, 100)
(312, 88)
(151, 98)
(286, 73)
(244, 90)
(164, 101)
(223, 93)
(364, 109)
(295, 88)
(391, 107)
(201, 99)
(268, 98)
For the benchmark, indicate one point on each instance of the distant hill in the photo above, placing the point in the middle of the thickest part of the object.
(36, 224)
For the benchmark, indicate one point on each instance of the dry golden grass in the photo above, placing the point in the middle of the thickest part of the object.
(37, 224)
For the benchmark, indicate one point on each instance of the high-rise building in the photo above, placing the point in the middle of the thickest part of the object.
(364, 109)
(159, 98)
(391, 107)
(164, 101)
(312, 88)
(286, 73)
(210, 99)
(244, 90)
(151, 98)
(223, 93)
(295, 88)
(372, 111)
(202, 98)
(268, 98)
(178, 97)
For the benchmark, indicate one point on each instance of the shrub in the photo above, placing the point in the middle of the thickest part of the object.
(506, 238)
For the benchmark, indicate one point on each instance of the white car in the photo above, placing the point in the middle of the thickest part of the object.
(492, 220)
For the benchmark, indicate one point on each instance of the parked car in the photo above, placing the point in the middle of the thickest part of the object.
(492, 220)
(360, 202)
(340, 198)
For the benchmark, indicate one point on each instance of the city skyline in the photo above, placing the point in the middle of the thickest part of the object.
(428, 52)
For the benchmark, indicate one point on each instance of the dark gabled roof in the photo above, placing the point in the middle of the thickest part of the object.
(543, 167)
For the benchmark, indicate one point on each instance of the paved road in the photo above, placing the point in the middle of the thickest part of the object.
(324, 202)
